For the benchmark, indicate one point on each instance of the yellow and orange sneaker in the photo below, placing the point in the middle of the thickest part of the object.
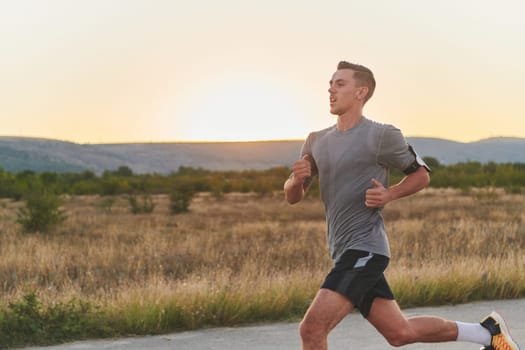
(501, 339)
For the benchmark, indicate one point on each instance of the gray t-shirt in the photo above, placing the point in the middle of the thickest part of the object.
(346, 162)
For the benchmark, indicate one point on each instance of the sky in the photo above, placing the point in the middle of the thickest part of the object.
(113, 71)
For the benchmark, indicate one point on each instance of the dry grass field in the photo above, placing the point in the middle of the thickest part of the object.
(246, 258)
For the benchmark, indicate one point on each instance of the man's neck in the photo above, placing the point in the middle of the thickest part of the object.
(348, 120)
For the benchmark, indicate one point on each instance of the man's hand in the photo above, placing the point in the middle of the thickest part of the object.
(294, 187)
(301, 170)
(378, 196)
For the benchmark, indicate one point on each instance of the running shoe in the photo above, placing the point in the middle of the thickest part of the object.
(501, 339)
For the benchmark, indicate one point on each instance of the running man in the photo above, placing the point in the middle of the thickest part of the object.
(352, 159)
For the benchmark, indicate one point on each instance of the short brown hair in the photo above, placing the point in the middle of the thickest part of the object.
(362, 75)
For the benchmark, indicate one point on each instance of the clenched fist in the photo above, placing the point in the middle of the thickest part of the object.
(377, 196)
(301, 169)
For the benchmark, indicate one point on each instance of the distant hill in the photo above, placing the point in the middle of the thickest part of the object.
(19, 153)
(498, 149)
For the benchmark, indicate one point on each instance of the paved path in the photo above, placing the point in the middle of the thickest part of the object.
(352, 333)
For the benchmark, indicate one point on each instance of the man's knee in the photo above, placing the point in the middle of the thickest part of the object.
(311, 331)
(399, 337)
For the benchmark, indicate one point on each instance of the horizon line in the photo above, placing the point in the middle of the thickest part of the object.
(193, 141)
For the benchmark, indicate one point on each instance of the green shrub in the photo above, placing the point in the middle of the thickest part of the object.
(145, 207)
(180, 199)
(27, 322)
(41, 211)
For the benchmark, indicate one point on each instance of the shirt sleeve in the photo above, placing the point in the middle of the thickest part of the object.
(395, 152)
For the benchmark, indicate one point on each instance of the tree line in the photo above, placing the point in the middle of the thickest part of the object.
(510, 176)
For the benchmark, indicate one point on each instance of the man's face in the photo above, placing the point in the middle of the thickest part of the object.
(344, 94)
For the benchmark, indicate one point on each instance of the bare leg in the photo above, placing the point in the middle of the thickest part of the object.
(326, 311)
(386, 316)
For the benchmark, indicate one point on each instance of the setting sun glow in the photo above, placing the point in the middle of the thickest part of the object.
(242, 108)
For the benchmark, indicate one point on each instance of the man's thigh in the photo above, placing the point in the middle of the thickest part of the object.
(386, 316)
(328, 309)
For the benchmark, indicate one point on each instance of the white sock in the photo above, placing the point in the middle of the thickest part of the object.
(473, 333)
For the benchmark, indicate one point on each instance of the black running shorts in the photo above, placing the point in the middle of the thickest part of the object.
(358, 275)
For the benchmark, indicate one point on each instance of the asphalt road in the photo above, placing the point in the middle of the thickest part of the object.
(353, 333)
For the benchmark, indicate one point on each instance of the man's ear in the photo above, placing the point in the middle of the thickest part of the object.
(361, 92)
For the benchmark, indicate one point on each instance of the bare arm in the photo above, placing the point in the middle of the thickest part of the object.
(295, 187)
(379, 196)
(293, 191)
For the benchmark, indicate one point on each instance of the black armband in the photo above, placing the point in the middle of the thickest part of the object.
(418, 163)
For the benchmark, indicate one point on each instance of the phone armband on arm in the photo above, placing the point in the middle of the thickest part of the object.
(416, 164)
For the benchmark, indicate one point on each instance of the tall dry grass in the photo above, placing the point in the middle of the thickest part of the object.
(248, 258)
